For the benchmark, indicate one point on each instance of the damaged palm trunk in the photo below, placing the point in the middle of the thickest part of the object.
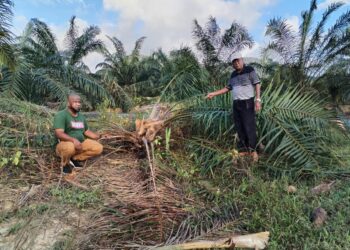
(250, 241)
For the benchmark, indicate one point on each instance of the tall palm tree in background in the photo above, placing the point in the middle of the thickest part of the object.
(119, 66)
(120, 70)
(335, 83)
(217, 48)
(173, 77)
(7, 56)
(80, 46)
(47, 74)
(308, 53)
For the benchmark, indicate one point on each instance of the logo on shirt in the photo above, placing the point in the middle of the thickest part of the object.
(77, 125)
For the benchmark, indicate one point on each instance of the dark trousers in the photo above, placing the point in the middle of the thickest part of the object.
(244, 120)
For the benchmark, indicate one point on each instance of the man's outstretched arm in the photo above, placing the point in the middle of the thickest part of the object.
(218, 92)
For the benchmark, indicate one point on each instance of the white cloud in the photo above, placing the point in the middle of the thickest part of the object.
(255, 51)
(19, 23)
(294, 23)
(168, 24)
(326, 3)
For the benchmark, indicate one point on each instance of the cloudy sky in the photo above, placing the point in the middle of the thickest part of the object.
(167, 24)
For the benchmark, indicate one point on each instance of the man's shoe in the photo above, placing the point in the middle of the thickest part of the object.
(67, 169)
(75, 164)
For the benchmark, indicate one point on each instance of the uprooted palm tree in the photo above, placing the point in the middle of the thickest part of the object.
(217, 48)
(7, 56)
(307, 53)
(46, 74)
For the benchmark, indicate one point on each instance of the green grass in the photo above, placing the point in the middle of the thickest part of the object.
(266, 206)
(15, 228)
(77, 197)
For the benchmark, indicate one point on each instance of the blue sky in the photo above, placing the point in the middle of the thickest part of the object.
(165, 23)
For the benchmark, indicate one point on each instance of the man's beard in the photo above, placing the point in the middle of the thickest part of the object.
(75, 110)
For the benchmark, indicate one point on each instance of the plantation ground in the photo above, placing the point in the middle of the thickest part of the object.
(62, 216)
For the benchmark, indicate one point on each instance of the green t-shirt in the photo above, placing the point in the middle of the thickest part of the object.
(73, 126)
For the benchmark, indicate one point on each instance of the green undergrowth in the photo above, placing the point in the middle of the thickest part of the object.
(265, 204)
(77, 197)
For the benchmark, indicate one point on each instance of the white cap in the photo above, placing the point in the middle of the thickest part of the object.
(236, 55)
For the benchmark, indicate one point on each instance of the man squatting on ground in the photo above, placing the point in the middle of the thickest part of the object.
(72, 130)
(242, 83)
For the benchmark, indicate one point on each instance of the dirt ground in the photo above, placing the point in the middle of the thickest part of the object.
(56, 214)
(31, 217)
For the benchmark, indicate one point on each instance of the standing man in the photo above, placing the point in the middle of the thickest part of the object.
(73, 132)
(243, 83)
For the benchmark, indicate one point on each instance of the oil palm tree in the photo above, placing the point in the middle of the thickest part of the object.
(123, 68)
(307, 53)
(47, 74)
(7, 56)
(173, 77)
(217, 48)
(335, 83)
(79, 46)
(120, 70)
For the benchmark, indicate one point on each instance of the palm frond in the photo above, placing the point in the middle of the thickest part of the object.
(283, 39)
(296, 129)
(85, 44)
(234, 39)
(118, 46)
(7, 56)
(135, 54)
(304, 29)
(72, 34)
(317, 34)
(43, 35)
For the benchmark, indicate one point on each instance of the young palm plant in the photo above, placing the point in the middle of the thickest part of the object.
(307, 53)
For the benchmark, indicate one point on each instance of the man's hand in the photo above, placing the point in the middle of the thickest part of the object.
(88, 133)
(257, 106)
(210, 95)
(77, 145)
(218, 92)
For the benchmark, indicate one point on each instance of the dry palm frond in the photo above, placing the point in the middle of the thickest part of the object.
(130, 213)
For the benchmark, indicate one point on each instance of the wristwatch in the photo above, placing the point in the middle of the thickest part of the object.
(258, 100)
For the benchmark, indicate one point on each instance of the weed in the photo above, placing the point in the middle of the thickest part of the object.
(76, 197)
(266, 206)
(15, 228)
